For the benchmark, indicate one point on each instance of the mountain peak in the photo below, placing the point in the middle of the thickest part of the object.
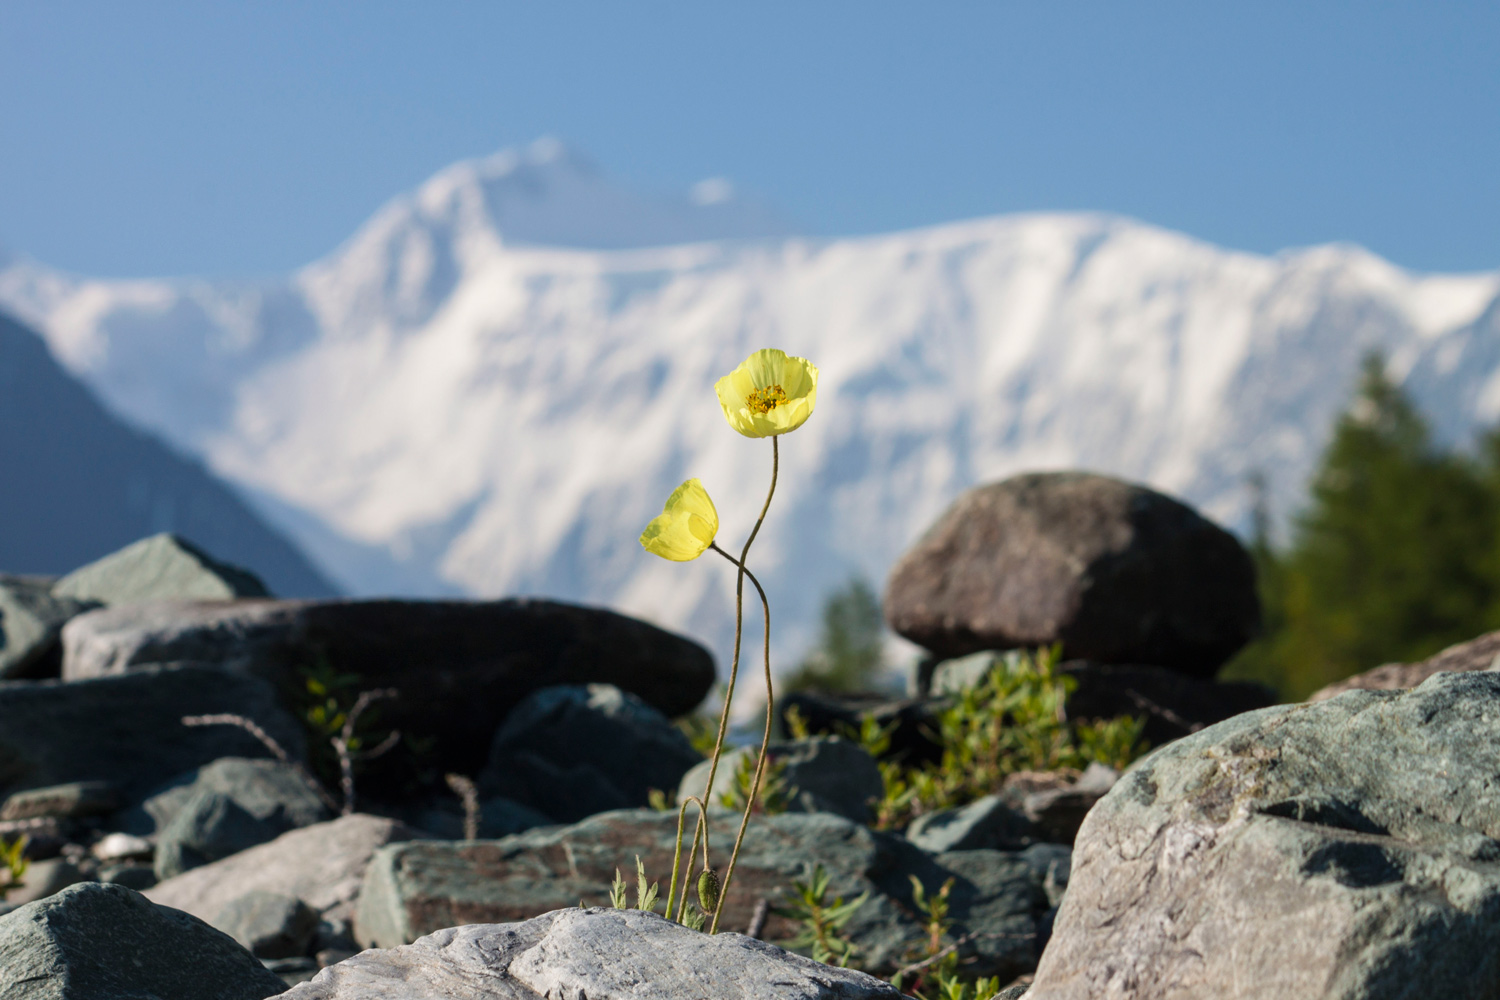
(549, 193)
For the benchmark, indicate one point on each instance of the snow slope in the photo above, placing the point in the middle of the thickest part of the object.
(497, 381)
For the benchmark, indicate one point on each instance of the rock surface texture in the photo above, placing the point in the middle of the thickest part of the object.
(1344, 849)
(128, 730)
(104, 942)
(1482, 653)
(419, 887)
(576, 750)
(460, 666)
(1116, 572)
(598, 954)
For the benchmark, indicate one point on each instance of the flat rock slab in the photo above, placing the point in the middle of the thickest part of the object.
(323, 865)
(128, 730)
(1115, 572)
(596, 954)
(94, 941)
(460, 666)
(419, 887)
(1345, 849)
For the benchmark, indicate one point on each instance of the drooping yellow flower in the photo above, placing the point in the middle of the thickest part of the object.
(770, 393)
(686, 526)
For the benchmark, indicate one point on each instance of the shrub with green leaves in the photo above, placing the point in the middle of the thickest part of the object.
(821, 934)
(13, 864)
(774, 794)
(1012, 720)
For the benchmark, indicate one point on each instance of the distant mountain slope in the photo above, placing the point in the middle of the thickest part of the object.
(76, 484)
(439, 404)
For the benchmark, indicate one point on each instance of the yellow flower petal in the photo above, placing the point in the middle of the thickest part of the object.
(770, 393)
(686, 526)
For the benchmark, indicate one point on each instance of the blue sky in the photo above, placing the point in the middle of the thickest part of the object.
(249, 138)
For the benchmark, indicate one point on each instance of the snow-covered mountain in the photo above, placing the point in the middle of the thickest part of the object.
(497, 381)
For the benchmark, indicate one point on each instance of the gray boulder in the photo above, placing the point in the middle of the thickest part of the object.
(1340, 849)
(984, 823)
(31, 620)
(461, 666)
(231, 805)
(1113, 571)
(822, 774)
(160, 568)
(415, 888)
(576, 953)
(105, 942)
(573, 751)
(323, 865)
(128, 730)
(269, 924)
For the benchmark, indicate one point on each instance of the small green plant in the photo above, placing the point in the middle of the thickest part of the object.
(935, 975)
(645, 890)
(1012, 720)
(774, 794)
(821, 936)
(13, 864)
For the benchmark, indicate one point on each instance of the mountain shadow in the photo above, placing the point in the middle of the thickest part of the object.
(77, 484)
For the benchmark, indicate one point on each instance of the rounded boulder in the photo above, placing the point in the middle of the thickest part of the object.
(1114, 571)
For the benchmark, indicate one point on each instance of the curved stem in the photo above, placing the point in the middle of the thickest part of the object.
(739, 596)
(734, 665)
(760, 761)
(677, 851)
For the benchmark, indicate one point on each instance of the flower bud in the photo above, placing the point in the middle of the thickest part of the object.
(708, 890)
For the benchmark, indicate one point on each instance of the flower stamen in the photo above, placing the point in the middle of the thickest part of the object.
(763, 401)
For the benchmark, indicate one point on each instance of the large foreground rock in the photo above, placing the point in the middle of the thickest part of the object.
(105, 942)
(416, 888)
(1482, 653)
(31, 620)
(322, 865)
(160, 568)
(577, 954)
(577, 750)
(1345, 849)
(1115, 572)
(128, 730)
(460, 666)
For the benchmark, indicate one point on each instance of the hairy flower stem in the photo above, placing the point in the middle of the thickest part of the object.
(765, 740)
(734, 669)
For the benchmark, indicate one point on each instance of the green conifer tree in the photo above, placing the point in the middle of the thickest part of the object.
(1394, 558)
(850, 654)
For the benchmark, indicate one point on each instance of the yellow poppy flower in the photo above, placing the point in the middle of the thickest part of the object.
(686, 526)
(770, 393)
